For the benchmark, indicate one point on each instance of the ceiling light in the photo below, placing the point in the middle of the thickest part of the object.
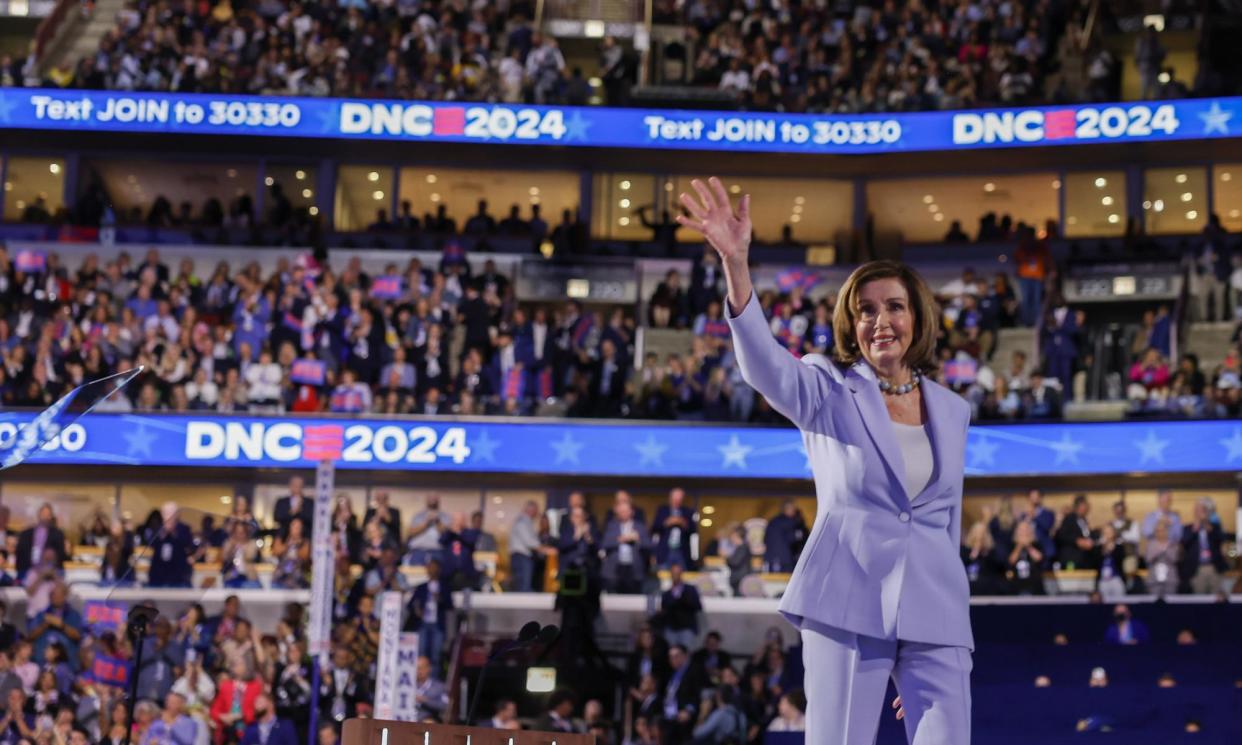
(795, 218)
(1226, 176)
(307, 193)
(938, 217)
(21, 205)
(1187, 196)
(1107, 201)
(623, 203)
(797, 209)
(1114, 219)
(1147, 204)
(435, 196)
(1158, 205)
(269, 181)
(1073, 220)
(8, 186)
(928, 199)
(299, 174)
(623, 221)
(933, 208)
(431, 178)
(231, 173)
(534, 191)
(1180, 178)
(799, 200)
(1056, 183)
(735, 189)
(373, 176)
(1192, 215)
(625, 186)
(668, 186)
(1233, 213)
(989, 187)
(54, 168)
(1101, 182)
(534, 200)
(313, 210)
(377, 195)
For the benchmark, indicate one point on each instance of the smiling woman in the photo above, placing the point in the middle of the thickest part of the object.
(880, 579)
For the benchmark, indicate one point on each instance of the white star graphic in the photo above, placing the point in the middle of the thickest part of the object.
(982, 451)
(139, 441)
(1233, 445)
(1216, 119)
(1152, 447)
(567, 449)
(734, 453)
(484, 448)
(1067, 449)
(650, 452)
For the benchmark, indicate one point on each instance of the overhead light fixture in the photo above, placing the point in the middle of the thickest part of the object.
(1158, 205)
(1187, 196)
(231, 173)
(307, 193)
(431, 178)
(534, 191)
(799, 200)
(938, 217)
(795, 218)
(1101, 182)
(1226, 176)
(989, 187)
(313, 210)
(54, 168)
(623, 221)
(1180, 178)
(373, 176)
(377, 195)
(269, 181)
(1192, 215)
(1114, 219)
(928, 199)
(625, 185)
(1107, 201)
(299, 174)
(623, 203)
(1147, 204)
(435, 196)
(1056, 183)
(735, 189)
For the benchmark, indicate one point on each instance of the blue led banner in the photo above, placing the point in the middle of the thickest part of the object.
(600, 449)
(417, 121)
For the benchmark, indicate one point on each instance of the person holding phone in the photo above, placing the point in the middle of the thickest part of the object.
(879, 590)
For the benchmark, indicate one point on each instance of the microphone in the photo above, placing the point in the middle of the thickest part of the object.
(532, 632)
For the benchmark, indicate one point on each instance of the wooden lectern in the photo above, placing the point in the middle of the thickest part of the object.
(378, 732)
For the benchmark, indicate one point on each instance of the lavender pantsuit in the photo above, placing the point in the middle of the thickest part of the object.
(879, 590)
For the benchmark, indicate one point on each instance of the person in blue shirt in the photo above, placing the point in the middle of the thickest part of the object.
(171, 548)
(1126, 629)
(267, 728)
(427, 613)
(672, 528)
(59, 623)
(173, 726)
(783, 538)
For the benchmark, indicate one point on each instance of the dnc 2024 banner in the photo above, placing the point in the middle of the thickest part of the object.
(603, 449)
(418, 121)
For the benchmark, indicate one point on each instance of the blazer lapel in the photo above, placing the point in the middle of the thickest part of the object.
(937, 409)
(870, 402)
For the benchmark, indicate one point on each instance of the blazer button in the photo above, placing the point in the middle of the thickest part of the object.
(904, 517)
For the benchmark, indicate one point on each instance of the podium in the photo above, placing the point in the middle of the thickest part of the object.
(379, 732)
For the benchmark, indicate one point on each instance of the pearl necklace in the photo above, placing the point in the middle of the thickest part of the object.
(900, 390)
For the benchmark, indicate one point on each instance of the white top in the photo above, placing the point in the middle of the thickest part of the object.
(916, 451)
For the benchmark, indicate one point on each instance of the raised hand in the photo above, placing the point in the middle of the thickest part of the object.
(712, 215)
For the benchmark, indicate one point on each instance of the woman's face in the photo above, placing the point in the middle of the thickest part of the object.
(884, 323)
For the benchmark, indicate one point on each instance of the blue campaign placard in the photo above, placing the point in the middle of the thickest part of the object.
(423, 121)
(600, 448)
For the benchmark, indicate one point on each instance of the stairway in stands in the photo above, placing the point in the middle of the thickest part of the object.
(79, 35)
(1208, 341)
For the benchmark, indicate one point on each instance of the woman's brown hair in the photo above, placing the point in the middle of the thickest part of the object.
(921, 355)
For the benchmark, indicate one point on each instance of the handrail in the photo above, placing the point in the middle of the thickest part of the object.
(51, 24)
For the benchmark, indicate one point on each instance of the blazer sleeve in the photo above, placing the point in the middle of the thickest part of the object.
(795, 388)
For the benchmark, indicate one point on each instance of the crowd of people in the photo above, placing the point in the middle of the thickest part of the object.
(408, 49)
(852, 57)
(1014, 547)
(222, 680)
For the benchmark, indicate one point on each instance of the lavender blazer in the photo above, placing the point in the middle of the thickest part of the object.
(879, 562)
